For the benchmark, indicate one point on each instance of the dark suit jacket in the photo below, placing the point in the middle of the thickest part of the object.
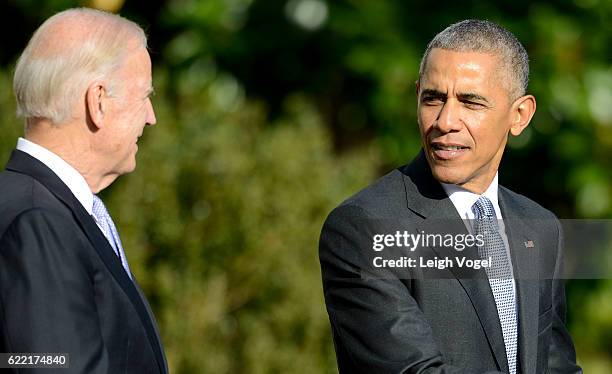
(448, 322)
(62, 288)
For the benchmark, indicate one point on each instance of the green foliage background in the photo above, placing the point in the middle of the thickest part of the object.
(271, 112)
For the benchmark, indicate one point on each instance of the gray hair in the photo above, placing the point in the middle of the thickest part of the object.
(68, 52)
(485, 37)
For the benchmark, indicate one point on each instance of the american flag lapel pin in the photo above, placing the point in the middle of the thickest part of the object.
(529, 244)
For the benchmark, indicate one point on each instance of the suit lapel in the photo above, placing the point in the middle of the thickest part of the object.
(426, 197)
(525, 263)
(152, 318)
(23, 163)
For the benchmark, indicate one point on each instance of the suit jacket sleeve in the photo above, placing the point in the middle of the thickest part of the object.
(561, 355)
(47, 299)
(377, 325)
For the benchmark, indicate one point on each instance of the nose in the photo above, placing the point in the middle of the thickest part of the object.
(151, 120)
(449, 119)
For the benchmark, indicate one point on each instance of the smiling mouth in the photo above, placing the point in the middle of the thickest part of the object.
(448, 147)
(448, 152)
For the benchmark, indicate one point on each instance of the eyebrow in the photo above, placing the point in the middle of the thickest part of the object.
(434, 94)
(469, 96)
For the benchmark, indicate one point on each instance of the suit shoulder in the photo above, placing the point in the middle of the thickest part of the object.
(22, 190)
(378, 197)
(528, 207)
(20, 193)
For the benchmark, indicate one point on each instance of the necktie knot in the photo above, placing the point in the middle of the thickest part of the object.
(106, 224)
(483, 208)
(99, 209)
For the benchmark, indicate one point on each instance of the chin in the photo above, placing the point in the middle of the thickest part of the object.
(448, 175)
(128, 167)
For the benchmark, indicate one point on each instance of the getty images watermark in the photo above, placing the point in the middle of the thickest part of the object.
(411, 242)
(453, 248)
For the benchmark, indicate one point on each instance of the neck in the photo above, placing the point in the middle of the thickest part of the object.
(72, 146)
(480, 185)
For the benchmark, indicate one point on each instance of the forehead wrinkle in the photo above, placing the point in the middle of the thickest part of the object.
(462, 77)
(135, 73)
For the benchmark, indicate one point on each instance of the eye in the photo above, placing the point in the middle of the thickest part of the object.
(473, 105)
(430, 100)
(150, 93)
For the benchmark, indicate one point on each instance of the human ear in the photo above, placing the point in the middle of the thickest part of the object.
(522, 111)
(96, 102)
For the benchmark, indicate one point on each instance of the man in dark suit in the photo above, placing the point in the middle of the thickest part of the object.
(507, 317)
(83, 85)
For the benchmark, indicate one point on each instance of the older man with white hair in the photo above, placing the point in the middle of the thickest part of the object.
(83, 86)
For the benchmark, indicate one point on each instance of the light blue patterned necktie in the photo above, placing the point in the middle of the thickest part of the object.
(499, 274)
(109, 230)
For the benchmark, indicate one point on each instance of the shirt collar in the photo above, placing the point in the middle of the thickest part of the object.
(71, 178)
(463, 200)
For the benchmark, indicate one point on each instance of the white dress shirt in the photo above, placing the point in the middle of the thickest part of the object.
(463, 200)
(71, 178)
